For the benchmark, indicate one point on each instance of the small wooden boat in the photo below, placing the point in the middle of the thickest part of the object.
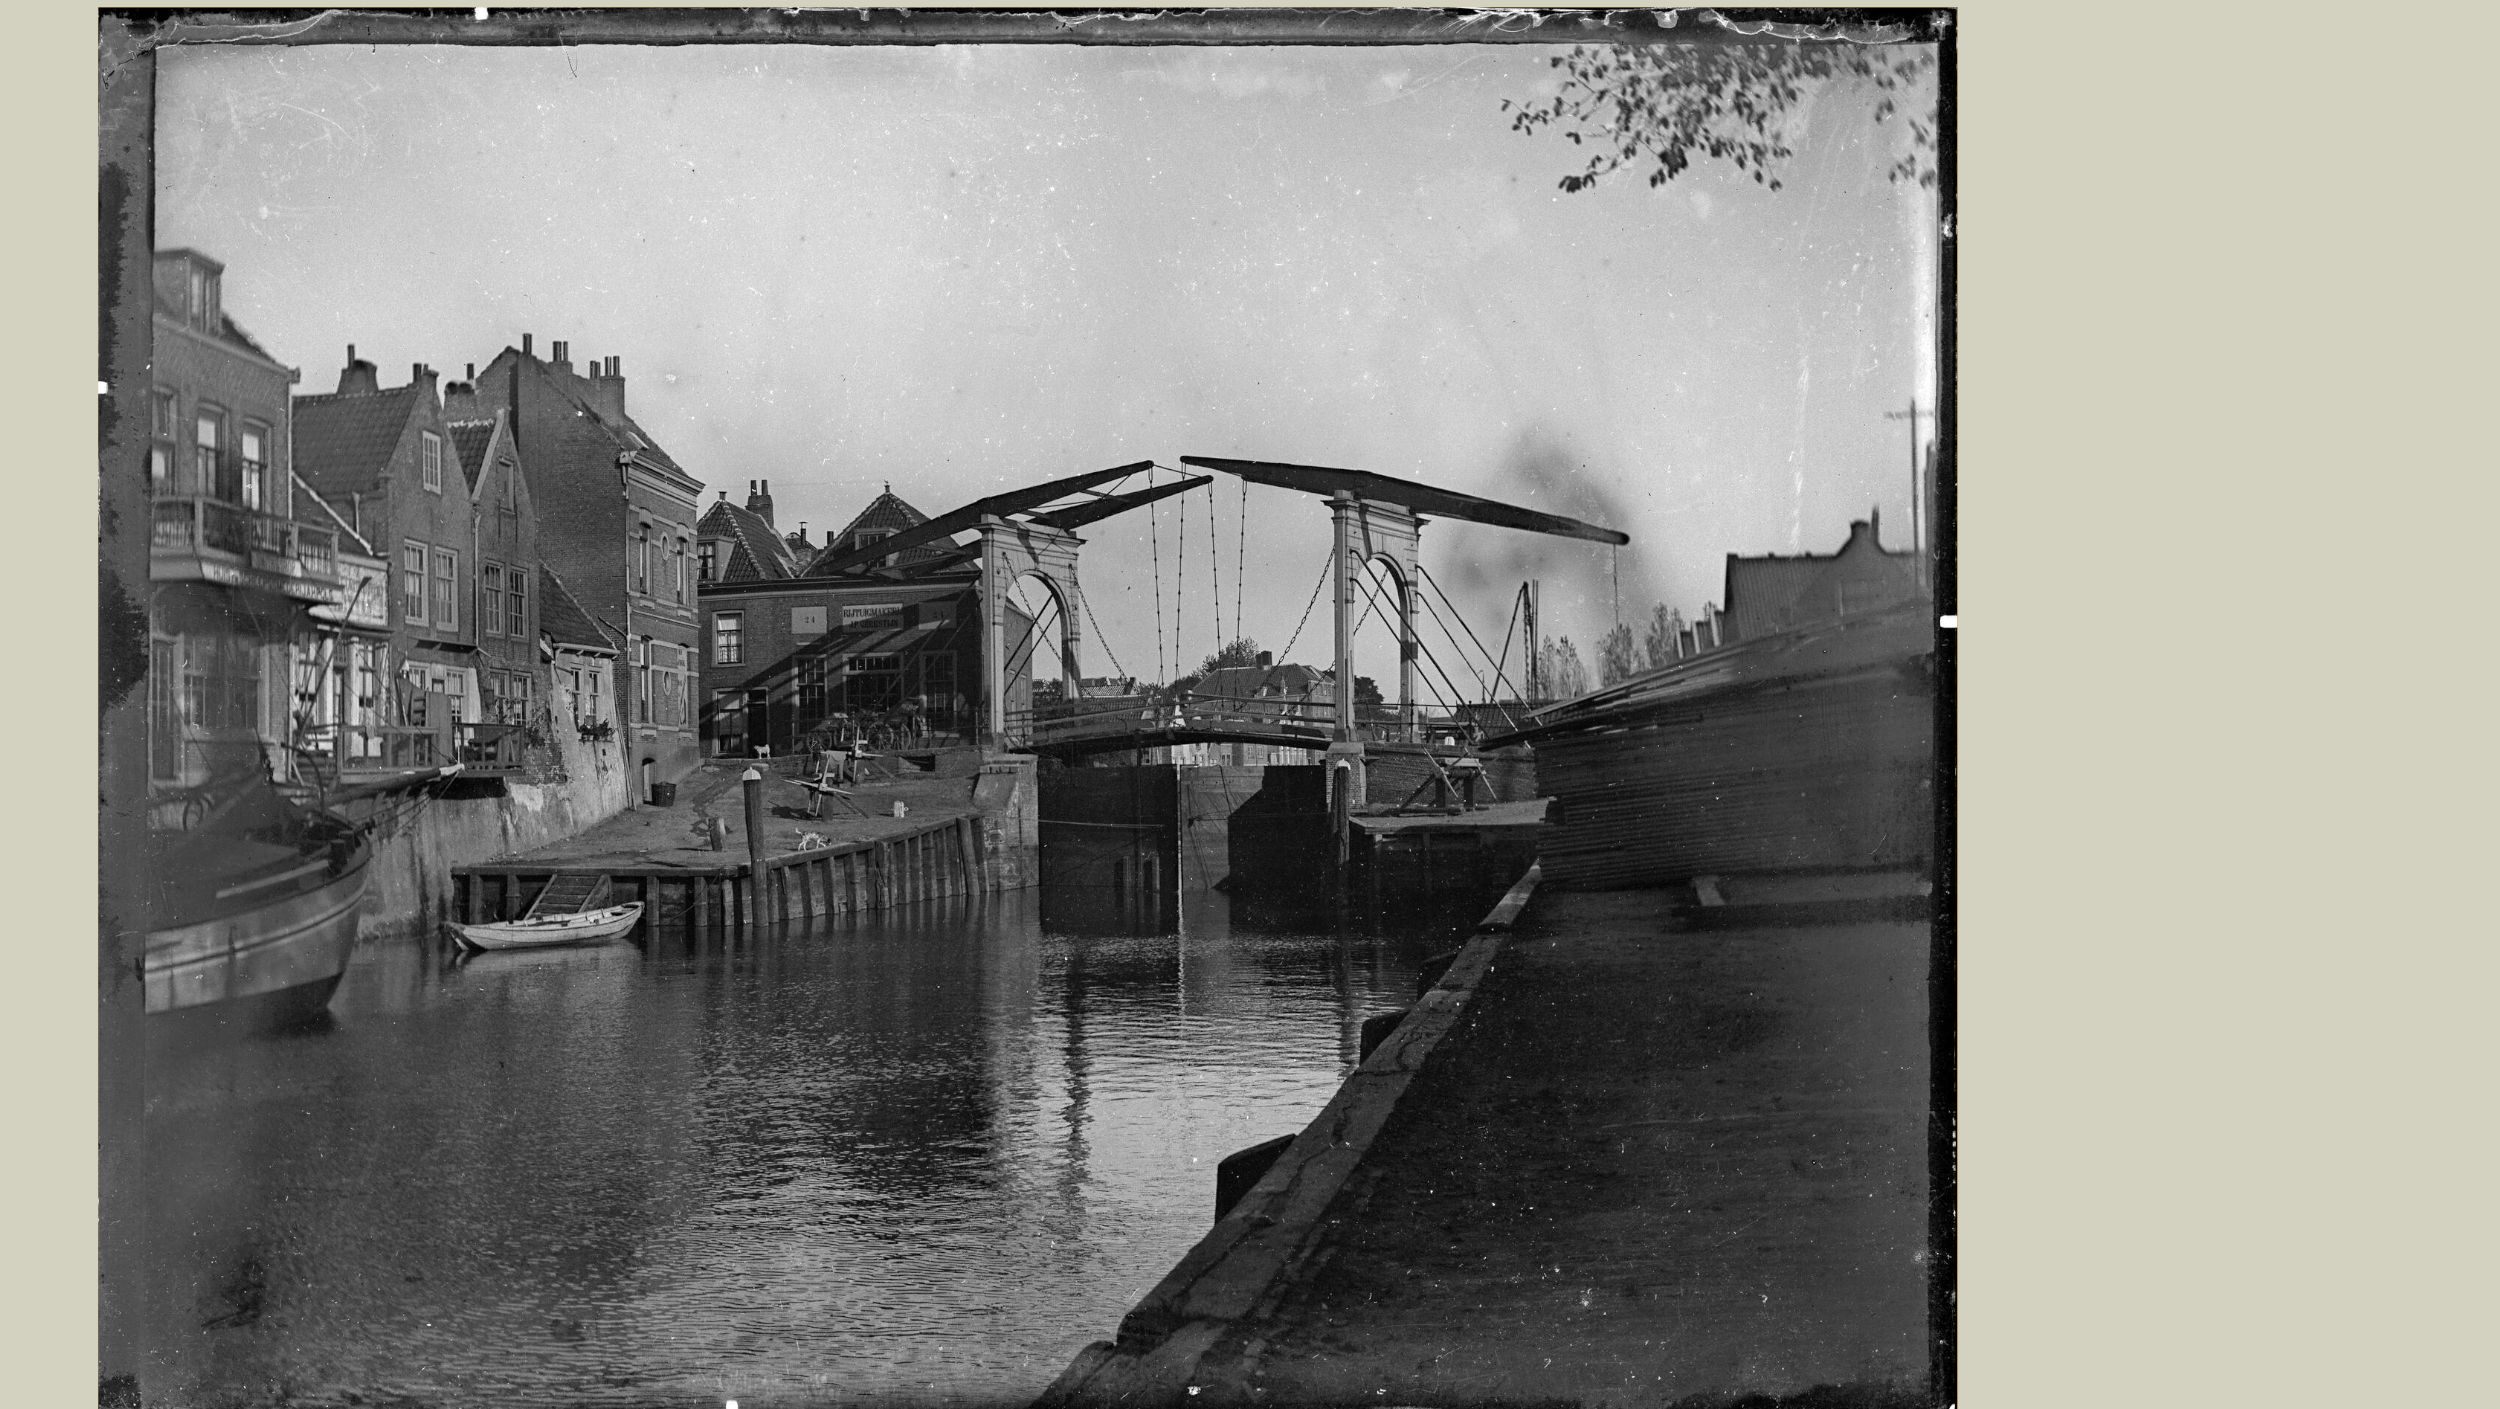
(582, 927)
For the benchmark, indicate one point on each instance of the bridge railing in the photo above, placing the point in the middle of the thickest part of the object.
(1298, 719)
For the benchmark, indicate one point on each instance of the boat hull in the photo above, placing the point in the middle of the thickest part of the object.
(525, 934)
(272, 962)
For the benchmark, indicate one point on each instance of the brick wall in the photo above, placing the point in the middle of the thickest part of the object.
(198, 369)
(771, 643)
(587, 517)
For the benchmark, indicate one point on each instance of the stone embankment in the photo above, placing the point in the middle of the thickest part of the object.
(1646, 1148)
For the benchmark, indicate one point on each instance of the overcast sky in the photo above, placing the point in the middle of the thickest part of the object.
(963, 269)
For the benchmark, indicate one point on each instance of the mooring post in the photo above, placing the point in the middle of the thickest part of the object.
(753, 782)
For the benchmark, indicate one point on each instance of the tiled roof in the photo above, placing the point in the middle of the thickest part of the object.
(889, 514)
(642, 441)
(761, 554)
(629, 436)
(1246, 681)
(311, 508)
(561, 616)
(472, 439)
(1773, 591)
(343, 440)
(234, 333)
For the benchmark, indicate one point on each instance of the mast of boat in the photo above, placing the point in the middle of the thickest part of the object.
(303, 717)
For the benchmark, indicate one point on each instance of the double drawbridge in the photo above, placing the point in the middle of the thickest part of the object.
(1376, 521)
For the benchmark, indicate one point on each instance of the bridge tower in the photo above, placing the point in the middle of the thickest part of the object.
(1029, 530)
(1381, 517)
(1011, 548)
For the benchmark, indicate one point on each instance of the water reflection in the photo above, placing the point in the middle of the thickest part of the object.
(922, 1158)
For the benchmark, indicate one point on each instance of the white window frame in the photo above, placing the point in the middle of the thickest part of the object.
(413, 612)
(430, 460)
(446, 590)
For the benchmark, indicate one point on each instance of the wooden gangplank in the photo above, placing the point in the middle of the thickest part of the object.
(570, 893)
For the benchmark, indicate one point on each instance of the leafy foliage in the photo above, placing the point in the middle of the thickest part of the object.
(1615, 660)
(1665, 624)
(1671, 104)
(1367, 691)
(1242, 652)
(1232, 653)
(1559, 671)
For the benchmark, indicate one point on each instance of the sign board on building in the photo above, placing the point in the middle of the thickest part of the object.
(807, 621)
(873, 614)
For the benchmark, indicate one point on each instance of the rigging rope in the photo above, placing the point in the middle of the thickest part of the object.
(1456, 649)
(1241, 555)
(1449, 701)
(1460, 618)
(1215, 575)
(1118, 669)
(1180, 585)
(1287, 652)
(1154, 546)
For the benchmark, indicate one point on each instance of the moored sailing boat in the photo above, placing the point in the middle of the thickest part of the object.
(257, 914)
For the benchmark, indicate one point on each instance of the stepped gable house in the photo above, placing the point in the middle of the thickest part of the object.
(1772, 593)
(616, 520)
(231, 571)
(889, 648)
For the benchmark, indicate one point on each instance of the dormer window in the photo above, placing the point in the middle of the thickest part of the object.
(204, 283)
(705, 561)
(867, 536)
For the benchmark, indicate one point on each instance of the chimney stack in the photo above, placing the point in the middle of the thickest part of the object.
(525, 345)
(607, 390)
(1266, 659)
(562, 361)
(760, 500)
(359, 378)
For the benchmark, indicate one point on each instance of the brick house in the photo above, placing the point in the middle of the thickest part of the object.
(891, 650)
(231, 571)
(1774, 592)
(507, 557)
(616, 520)
(386, 460)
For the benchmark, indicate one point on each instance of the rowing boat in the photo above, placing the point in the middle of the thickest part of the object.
(582, 928)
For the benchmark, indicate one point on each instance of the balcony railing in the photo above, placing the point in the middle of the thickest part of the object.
(330, 752)
(206, 529)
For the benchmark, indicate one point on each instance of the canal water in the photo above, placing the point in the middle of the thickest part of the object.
(918, 1159)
